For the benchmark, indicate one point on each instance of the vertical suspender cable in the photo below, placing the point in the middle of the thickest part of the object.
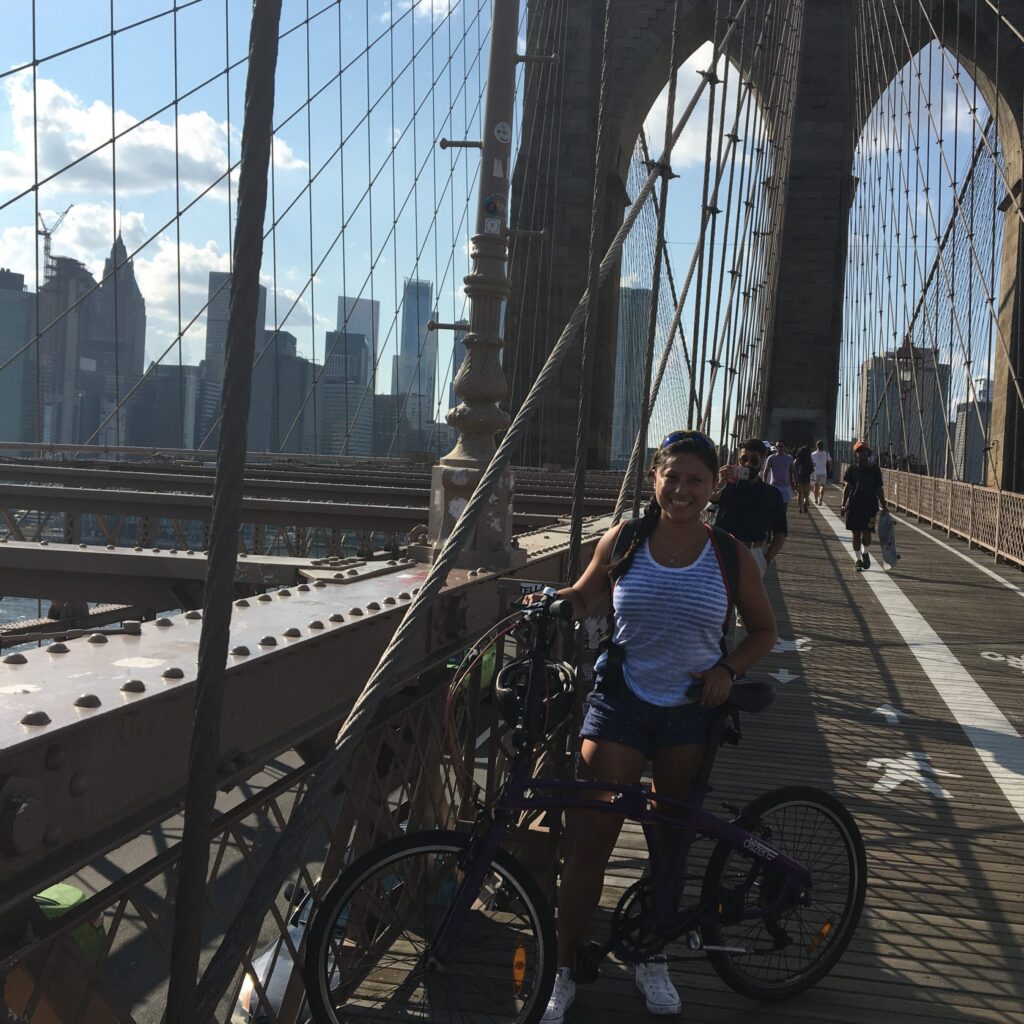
(590, 327)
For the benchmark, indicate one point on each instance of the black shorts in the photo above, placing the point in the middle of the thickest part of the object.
(860, 519)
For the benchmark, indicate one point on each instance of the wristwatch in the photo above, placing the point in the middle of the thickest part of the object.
(733, 674)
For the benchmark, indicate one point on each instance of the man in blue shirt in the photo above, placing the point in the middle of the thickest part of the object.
(748, 508)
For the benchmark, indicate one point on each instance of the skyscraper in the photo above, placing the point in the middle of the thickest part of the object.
(280, 414)
(117, 344)
(67, 312)
(361, 316)
(161, 414)
(970, 458)
(634, 311)
(345, 395)
(17, 381)
(904, 397)
(414, 369)
(212, 367)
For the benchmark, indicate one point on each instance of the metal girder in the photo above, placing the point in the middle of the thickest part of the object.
(533, 497)
(94, 739)
(268, 511)
(151, 578)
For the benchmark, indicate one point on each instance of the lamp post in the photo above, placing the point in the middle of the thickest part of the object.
(480, 383)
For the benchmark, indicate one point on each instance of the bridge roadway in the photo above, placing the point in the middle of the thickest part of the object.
(942, 936)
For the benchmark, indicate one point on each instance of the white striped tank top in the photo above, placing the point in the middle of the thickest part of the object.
(669, 622)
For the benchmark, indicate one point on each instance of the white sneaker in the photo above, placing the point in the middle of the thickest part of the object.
(656, 987)
(562, 996)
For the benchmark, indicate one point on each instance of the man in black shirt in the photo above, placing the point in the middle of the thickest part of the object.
(748, 508)
(863, 493)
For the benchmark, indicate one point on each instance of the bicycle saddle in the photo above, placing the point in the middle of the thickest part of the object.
(750, 697)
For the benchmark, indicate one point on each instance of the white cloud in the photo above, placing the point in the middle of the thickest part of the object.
(435, 9)
(68, 127)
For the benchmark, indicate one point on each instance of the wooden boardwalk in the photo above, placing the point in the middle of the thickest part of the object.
(942, 936)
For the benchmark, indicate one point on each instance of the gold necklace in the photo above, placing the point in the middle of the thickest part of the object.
(671, 559)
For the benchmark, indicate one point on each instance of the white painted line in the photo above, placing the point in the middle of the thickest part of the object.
(998, 744)
(930, 534)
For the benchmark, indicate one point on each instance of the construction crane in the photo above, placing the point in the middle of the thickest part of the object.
(47, 232)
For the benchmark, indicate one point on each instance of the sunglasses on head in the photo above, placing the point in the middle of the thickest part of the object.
(687, 435)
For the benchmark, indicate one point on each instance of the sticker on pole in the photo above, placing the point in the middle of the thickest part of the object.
(503, 132)
(492, 225)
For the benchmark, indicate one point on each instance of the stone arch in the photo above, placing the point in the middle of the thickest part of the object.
(996, 66)
(640, 69)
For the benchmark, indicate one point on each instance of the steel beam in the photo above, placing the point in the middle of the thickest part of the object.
(93, 740)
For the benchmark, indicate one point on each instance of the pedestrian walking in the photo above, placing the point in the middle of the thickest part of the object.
(804, 470)
(779, 472)
(750, 509)
(822, 471)
(864, 491)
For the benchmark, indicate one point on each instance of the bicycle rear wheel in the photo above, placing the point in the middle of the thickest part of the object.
(369, 957)
(795, 948)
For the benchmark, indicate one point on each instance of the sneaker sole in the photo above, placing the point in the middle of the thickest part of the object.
(664, 1011)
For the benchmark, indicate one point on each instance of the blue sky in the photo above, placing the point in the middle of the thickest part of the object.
(399, 228)
(410, 221)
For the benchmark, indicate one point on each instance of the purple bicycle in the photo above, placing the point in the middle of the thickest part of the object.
(447, 926)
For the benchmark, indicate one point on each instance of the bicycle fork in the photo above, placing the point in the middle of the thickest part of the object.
(484, 843)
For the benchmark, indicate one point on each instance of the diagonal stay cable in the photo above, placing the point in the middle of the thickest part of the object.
(280, 860)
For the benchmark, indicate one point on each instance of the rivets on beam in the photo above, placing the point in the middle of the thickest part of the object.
(193, 614)
(172, 673)
(316, 624)
(163, 622)
(292, 631)
(241, 651)
(58, 648)
(36, 718)
(319, 583)
(264, 597)
(389, 600)
(96, 638)
(15, 659)
(268, 641)
(241, 603)
(302, 587)
(337, 617)
(87, 700)
(355, 611)
(134, 686)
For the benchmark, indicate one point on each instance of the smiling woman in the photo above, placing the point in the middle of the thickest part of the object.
(673, 583)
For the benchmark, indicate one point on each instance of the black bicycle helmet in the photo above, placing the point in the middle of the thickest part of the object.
(548, 709)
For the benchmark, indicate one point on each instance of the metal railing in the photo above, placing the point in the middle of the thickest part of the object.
(987, 518)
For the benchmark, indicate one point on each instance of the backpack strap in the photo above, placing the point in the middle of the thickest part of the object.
(725, 546)
(625, 537)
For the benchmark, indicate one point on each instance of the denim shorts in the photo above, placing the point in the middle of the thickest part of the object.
(622, 717)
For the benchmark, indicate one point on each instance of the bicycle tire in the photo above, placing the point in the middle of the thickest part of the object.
(823, 949)
(364, 960)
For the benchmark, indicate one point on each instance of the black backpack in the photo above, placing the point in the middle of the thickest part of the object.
(728, 563)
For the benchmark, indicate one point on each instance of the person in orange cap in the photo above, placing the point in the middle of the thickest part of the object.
(864, 491)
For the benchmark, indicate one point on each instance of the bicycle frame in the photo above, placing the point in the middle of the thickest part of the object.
(686, 819)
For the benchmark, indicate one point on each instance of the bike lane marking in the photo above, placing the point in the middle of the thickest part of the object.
(997, 743)
(903, 521)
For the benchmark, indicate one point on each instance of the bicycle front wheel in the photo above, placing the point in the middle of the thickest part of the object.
(782, 954)
(370, 955)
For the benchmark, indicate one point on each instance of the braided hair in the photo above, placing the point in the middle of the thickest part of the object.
(649, 520)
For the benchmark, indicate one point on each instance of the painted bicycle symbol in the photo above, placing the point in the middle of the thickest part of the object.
(1013, 660)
